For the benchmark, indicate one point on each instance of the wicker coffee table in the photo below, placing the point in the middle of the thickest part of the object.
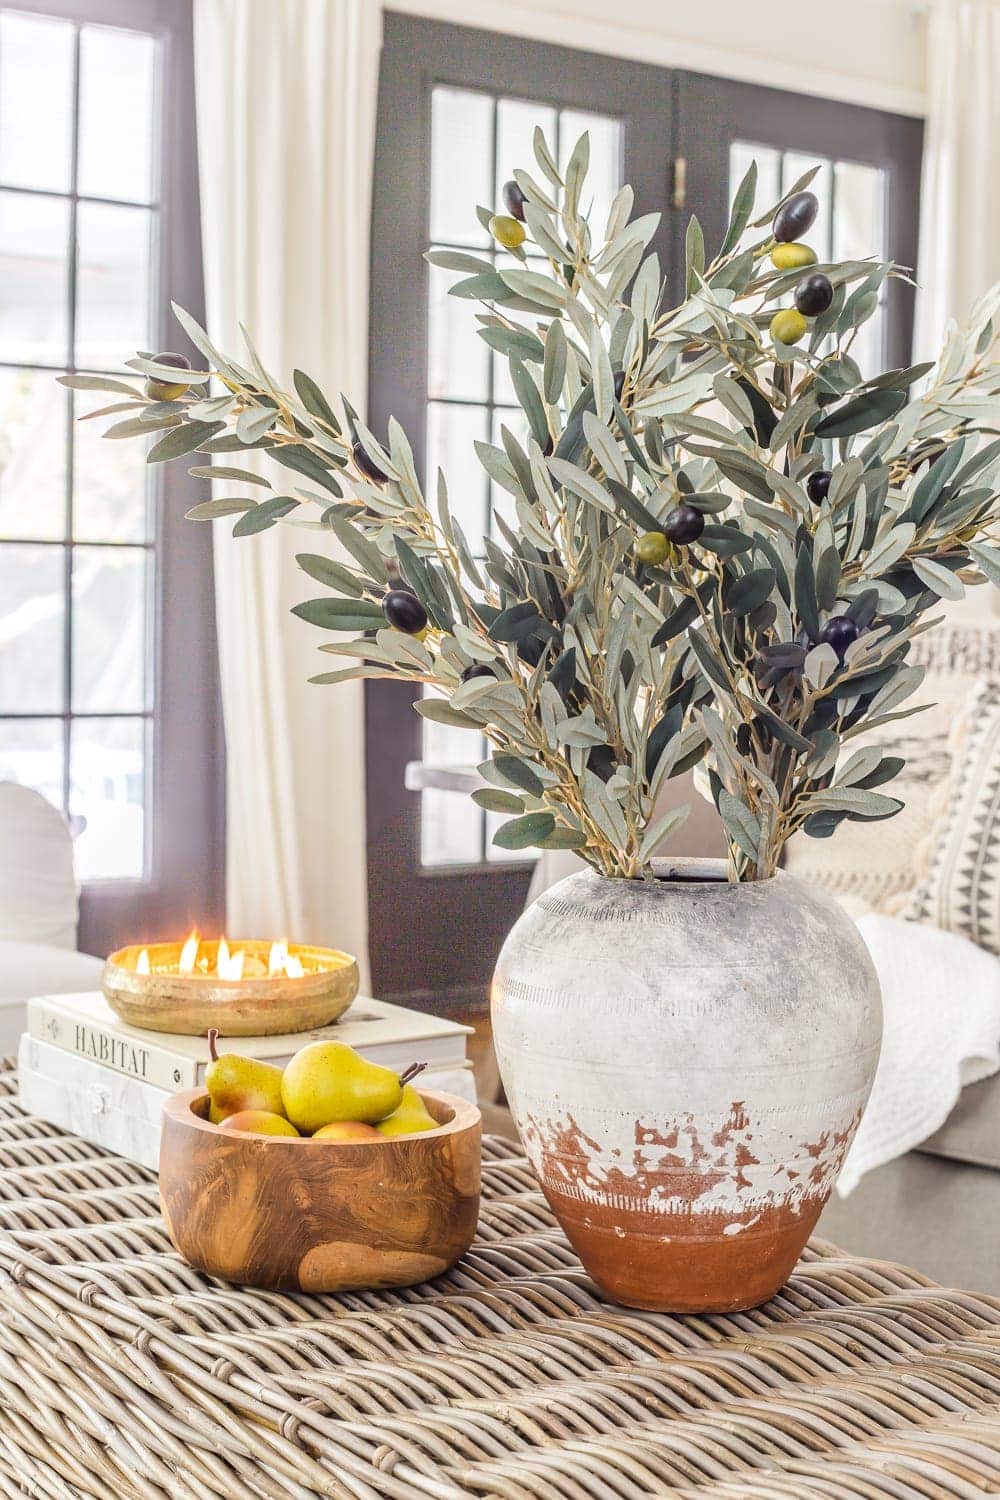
(123, 1373)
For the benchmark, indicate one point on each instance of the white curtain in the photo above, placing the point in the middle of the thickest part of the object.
(286, 98)
(959, 253)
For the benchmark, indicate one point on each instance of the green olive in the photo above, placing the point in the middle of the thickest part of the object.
(507, 231)
(793, 256)
(787, 326)
(652, 548)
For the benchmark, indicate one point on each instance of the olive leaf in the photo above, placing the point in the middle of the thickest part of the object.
(521, 833)
(812, 516)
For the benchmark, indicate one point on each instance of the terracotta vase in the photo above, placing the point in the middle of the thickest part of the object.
(687, 1061)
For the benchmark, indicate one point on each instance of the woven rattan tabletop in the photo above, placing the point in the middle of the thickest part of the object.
(123, 1373)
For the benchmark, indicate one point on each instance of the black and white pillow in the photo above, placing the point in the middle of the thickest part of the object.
(960, 889)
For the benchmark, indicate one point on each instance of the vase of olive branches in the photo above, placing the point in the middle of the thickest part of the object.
(726, 536)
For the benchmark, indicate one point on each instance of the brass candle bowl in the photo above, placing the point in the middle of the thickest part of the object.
(258, 1004)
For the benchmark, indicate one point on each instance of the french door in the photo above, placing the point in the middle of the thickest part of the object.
(457, 108)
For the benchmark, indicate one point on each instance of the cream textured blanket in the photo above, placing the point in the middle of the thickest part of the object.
(941, 999)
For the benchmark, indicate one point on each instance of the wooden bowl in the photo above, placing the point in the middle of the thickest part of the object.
(188, 1004)
(320, 1216)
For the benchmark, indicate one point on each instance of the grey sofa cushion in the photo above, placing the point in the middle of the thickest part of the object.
(941, 1217)
(971, 1132)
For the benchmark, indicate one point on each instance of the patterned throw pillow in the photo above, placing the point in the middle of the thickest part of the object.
(960, 890)
(872, 866)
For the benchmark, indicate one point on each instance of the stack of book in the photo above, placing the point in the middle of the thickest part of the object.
(84, 1070)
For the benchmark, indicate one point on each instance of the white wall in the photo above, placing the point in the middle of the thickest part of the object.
(863, 51)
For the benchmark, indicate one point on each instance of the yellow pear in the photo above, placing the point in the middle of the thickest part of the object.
(346, 1130)
(411, 1116)
(237, 1083)
(328, 1081)
(260, 1122)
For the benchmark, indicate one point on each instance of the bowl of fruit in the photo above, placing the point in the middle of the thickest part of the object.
(333, 1174)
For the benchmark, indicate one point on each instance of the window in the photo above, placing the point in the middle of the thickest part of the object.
(98, 229)
(477, 139)
(850, 224)
(78, 211)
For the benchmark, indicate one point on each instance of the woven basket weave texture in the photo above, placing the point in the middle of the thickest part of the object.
(125, 1375)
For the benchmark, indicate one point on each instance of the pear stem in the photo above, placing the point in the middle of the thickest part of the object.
(411, 1072)
(213, 1037)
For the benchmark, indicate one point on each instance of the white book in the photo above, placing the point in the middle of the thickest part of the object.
(86, 1026)
(120, 1112)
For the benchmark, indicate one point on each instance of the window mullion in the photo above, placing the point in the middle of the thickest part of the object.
(71, 292)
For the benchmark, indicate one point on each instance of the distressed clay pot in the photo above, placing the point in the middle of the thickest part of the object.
(687, 1062)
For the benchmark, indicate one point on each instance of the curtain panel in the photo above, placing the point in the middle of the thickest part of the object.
(286, 103)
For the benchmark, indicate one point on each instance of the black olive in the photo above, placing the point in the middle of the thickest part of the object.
(818, 485)
(404, 611)
(619, 384)
(813, 294)
(164, 390)
(480, 669)
(840, 631)
(684, 524)
(368, 466)
(513, 200)
(795, 216)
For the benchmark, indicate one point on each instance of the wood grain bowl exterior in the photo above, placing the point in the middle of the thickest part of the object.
(687, 1062)
(320, 1216)
(188, 1004)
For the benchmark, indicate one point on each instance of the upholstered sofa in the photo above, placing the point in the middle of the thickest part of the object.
(38, 910)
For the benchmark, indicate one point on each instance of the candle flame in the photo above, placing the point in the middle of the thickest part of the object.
(293, 967)
(277, 959)
(229, 966)
(142, 962)
(189, 953)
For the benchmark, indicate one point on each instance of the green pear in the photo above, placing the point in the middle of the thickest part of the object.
(328, 1081)
(260, 1122)
(237, 1083)
(411, 1115)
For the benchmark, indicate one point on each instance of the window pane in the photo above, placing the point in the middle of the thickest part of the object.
(858, 223)
(34, 279)
(604, 174)
(31, 628)
(451, 432)
(109, 638)
(741, 154)
(107, 768)
(31, 752)
(451, 825)
(117, 73)
(516, 121)
(461, 147)
(111, 481)
(36, 101)
(113, 259)
(451, 829)
(458, 359)
(34, 416)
